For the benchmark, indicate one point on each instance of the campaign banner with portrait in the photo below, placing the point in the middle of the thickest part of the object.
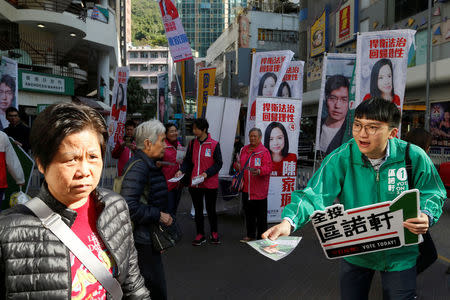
(118, 116)
(440, 124)
(319, 34)
(179, 46)
(8, 88)
(333, 117)
(205, 87)
(292, 84)
(279, 121)
(162, 104)
(267, 70)
(346, 22)
(381, 65)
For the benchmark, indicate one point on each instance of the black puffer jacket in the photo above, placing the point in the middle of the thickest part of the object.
(34, 264)
(144, 174)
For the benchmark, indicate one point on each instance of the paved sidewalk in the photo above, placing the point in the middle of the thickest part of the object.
(233, 270)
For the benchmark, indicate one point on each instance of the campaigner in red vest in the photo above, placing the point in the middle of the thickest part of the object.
(257, 161)
(125, 147)
(203, 160)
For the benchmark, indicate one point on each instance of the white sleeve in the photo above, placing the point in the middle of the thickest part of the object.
(12, 162)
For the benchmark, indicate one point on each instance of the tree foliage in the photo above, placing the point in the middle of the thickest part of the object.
(136, 95)
(146, 24)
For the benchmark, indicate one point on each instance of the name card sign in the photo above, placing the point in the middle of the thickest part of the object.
(368, 228)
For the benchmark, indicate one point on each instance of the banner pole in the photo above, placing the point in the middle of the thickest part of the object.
(427, 92)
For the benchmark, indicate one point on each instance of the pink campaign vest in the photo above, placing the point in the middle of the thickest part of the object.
(170, 155)
(202, 158)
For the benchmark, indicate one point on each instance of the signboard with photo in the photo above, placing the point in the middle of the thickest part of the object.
(8, 88)
(319, 34)
(292, 84)
(346, 22)
(118, 117)
(205, 87)
(440, 124)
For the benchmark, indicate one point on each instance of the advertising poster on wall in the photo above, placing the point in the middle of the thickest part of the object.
(292, 84)
(267, 70)
(440, 124)
(179, 46)
(8, 88)
(381, 65)
(279, 121)
(332, 117)
(346, 22)
(118, 117)
(162, 103)
(319, 34)
(206, 80)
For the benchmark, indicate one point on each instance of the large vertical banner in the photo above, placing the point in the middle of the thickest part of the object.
(279, 120)
(440, 124)
(118, 117)
(381, 64)
(205, 87)
(176, 37)
(8, 88)
(268, 68)
(162, 103)
(292, 84)
(319, 34)
(346, 22)
(332, 117)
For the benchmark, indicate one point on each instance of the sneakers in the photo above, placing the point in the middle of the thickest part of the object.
(199, 240)
(214, 239)
(246, 239)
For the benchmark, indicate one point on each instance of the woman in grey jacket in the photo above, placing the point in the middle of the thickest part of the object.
(68, 143)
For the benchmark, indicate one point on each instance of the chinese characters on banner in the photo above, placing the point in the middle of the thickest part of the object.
(206, 80)
(279, 121)
(8, 88)
(319, 34)
(332, 117)
(118, 117)
(176, 37)
(292, 84)
(268, 68)
(366, 229)
(381, 64)
(346, 18)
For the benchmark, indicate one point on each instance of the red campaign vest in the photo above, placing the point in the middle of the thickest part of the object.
(170, 155)
(202, 158)
(3, 182)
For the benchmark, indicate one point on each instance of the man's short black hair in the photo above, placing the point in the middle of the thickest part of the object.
(130, 123)
(10, 110)
(380, 110)
(335, 82)
(201, 124)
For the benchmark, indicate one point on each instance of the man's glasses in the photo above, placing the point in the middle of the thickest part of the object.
(8, 93)
(333, 99)
(370, 128)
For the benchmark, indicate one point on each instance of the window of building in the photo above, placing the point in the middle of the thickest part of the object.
(408, 8)
(154, 54)
(134, 68)
(364, 4)
(144, 54)
(153, 80)
(163, 54)
(154, 68)
(364, 25)
(133, 54)
(143, 67)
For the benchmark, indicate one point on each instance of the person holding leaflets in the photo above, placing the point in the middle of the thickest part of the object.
(125, 147)
(382, 82)
(277, 141)
(256, 160)
(203, 161)
(357, 175)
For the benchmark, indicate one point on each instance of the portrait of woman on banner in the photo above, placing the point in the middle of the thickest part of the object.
(382, 82)
(284, 90)
(266, 88)
(277, 141)
(119, 103)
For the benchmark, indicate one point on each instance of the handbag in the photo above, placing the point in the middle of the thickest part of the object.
(164, 237)
(237, 183)
(427, 249)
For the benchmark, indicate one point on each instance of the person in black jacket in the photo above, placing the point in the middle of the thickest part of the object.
(68, 143)
(144, 188)
(17, 129)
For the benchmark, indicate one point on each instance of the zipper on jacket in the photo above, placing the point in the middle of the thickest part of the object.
(198, 160)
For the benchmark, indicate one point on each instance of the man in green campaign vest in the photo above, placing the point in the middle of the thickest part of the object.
(369, 169)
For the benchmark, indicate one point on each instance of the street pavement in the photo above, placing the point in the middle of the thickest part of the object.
(234, 270)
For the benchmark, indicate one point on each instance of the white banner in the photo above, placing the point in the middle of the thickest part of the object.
(118, 117)
(176, 37)
(381, 64)
(292, 84)
(267, 70)
(332, 117)
(279, 120)
(8, 88)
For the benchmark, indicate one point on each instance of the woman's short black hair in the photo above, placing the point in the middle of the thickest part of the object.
(285, 150)
(169, 125)
(263, 79)
(60, 120)
(280, 89)
(130, 123)
(201, 124)
(380, 110)
(374, 90)
(419, 137)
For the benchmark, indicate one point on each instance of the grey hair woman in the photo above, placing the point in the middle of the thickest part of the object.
(144, 188)
(68, 143)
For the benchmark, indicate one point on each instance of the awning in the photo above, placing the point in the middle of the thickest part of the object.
(101, 107)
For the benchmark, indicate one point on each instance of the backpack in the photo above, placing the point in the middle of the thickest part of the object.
(117, 186)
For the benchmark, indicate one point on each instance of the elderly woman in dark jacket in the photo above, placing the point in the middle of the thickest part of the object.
(68, 143)
(145, 190)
